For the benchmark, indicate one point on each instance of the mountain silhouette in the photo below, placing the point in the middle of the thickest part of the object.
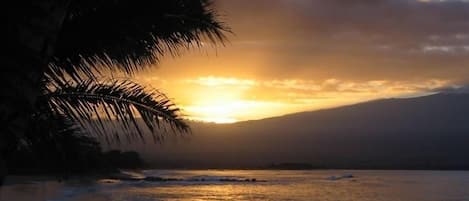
(430, 132)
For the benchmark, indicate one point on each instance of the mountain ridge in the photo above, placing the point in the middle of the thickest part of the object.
(429, 132)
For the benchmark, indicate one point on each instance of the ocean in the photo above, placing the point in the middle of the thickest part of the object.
(258, 185)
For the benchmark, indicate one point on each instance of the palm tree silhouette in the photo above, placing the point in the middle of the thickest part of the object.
(58, 50)
(111, 105)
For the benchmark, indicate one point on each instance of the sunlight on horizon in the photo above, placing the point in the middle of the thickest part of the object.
(230, 111)
(219, 99)
(265, 69)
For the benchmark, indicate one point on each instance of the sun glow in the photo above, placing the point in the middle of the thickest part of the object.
(221, 112)
(220, 99)
(226, 100)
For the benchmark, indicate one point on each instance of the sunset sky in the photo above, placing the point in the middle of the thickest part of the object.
(289, 56)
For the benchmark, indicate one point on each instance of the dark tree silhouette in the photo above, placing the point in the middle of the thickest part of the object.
(109, 106)
(70, 43)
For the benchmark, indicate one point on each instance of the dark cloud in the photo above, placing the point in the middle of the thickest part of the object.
(353, 39)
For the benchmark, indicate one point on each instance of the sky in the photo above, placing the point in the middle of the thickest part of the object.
(288, 56)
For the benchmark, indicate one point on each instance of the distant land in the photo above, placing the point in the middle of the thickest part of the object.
(430, 132)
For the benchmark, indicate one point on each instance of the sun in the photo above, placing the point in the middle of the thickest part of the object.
(225, 100)
(218, 99)
(221, 111)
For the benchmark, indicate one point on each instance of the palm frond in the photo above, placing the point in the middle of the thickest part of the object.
(113, 106)
(131, 35)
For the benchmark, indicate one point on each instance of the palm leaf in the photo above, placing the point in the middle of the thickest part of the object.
(113, 106)
(130, 35)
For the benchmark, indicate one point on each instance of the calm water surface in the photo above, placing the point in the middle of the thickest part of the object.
(279, 185)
